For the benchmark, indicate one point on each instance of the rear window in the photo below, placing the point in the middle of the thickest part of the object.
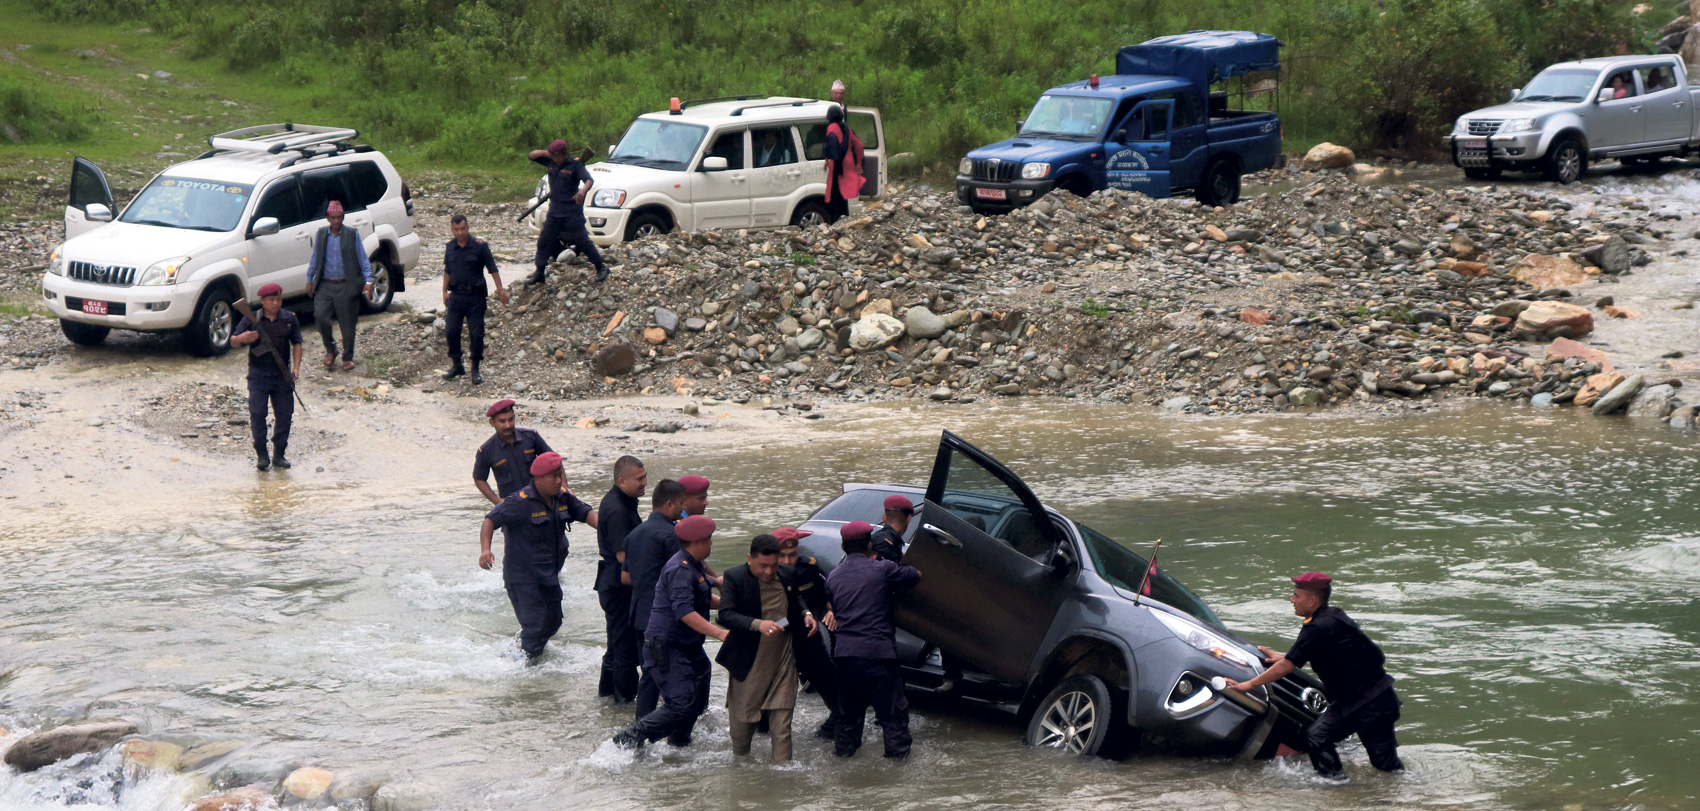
(320, 186)
(866, 504)
(368, 181)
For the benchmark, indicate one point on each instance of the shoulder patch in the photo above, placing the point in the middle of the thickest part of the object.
(520, 493)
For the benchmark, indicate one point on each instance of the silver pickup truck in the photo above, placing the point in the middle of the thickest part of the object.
(1629, 108)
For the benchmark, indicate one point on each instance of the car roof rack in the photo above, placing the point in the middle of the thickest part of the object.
(797, 103)
(693, 102)
(272, 139)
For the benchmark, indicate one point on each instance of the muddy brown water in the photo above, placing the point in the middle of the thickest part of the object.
(1530, 574)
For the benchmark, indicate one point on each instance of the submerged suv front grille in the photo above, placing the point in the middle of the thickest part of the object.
(1297, 700)
(101, 274)
(1484, 127)
(996, 169)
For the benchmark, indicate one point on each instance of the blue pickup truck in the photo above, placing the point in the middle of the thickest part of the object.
(1160, 125)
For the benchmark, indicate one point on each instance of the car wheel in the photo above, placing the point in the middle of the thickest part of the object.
(1220, 186)
(647, 224)
(84, 334)
(1483, 174)
(1566, 162)
(1076, 717)
(809, 214)
(383, 288)
(209, 330)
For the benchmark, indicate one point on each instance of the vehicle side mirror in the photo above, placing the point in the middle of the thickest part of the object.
(1514, 92)
(1019, 123)
(1121, 135)
(98, 212)
(264, 227)
(611, 150)
(1606, 94)
(714, 164)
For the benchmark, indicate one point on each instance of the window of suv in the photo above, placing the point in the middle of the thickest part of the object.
(1124, 569)
(282, 199)
(368, 181)
(728, 145)
(320, 186)
(814, 141)
(774, 146)
(1186, 107)
(197, 205)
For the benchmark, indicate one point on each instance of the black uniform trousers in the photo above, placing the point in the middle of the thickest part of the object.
(537, 606)
(1373, 724)
(877, 683)
(684, 686)
(648, 691)
(814, 664)
(274, 388)
(470, 309)
(559, 231)
(620, 662)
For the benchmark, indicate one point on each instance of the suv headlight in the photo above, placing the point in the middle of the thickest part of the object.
(1212, 643)
(162, 272)
(56, 262)
(608, 198)
(1517, 125)
(1034, 171)
(1461, 126)
(965, 167)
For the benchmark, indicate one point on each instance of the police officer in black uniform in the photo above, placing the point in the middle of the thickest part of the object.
(266, 382)
(508, 454)
(618, 515)
(814, 661)
(647, 550)
(888, 536)
(464, 261)
(534, 523)
(1360, 692)
(672, 652)
(569, 184)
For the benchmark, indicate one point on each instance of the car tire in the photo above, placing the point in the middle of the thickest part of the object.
(209, 331)
(84, 334)
(646, 224)
(1565, 161)
(1220, 185)
(1076, 717)
(383, 288)
(810, 214)
(1483, 174)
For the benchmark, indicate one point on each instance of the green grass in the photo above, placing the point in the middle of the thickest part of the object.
(801, 258)
(11, 310)
(1094, 308)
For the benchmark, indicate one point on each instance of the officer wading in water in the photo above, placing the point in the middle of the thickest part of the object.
(508, 454)
(535, 522)
(267, 380)
(464, 296)
(1360, 693)
(569, 182)
(673, 640)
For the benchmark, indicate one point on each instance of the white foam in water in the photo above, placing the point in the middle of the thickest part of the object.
(89, 782)
(378, 658)
(423, 590)
(609, 757)
(1675, 560)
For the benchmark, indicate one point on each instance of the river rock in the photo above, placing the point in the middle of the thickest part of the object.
(1244, 235)
(879, 306)
(920, 322)
(143, 755)
(695, 325)
(942, 393)
(1329, 156)
(669, 320)
(1543, 316)
(874, 332)
(1180, 321)
(1619, 396)
(788, 326)
(357, 786)
(614, 360)
(206, 753)
(1304, 396)
(53, 745)
(654, 335)
(242, 799)
(1176, 404)
(1461, 245)
(1544, 272)
(308, 783)
(810, 338)
(1254, 316)
(1510, 309)
(1597, 385)
(1566, 348)
(406, 797)
(1611, 256)
(1653, 401)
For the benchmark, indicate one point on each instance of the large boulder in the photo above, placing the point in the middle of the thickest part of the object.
(1597, 385)
(1691, 46)
(308, 783)
(1544, 272)
(143, 756)
(874, 332)
(1566, 348)
(1545, 316)
(53, 745)
(1611, 256)
(920, 322)
(614, 360)
(1653, 401)
(1329, 156)
(1619, 396)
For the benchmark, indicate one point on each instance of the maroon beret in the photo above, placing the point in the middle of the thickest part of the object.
(1313, 581)
(545, 463)
(788, 537)
(557, 145)
(694, 529)
(694, 484)
(856, 529)
(899, 504)
(498, 407)
(271, 289)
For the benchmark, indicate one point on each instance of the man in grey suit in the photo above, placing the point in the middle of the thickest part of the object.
(336, 252)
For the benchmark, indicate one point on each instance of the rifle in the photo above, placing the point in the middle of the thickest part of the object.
(587, 154)
(247, 312)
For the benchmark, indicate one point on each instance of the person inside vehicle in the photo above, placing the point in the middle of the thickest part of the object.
(1620, 86)
(1076, 119)
(771, 152)
(1659, 79)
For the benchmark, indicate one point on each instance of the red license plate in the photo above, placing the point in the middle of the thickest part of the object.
(1475, 144)
(94, 307)
(991, 194)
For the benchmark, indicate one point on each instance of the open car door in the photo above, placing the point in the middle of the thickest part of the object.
(865, 121)
(89, 190)
(988, 592)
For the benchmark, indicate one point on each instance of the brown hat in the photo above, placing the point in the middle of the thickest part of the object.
(557, 146)
(498, 407)
(1313, 581)
(788, 537)
(856, 529)
(694, 529)
(899, 504)
(545, 463)
(694, 484)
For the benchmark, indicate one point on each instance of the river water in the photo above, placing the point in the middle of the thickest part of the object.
(1529, 573)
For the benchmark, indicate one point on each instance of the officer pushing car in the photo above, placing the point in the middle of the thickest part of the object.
(569, 183)
(535, 522)
(464, 295)
(887, 538)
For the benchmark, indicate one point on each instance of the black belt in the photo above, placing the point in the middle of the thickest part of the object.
(469, 289)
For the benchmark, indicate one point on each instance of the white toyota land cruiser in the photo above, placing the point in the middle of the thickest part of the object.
(211, 230)
(741, 162)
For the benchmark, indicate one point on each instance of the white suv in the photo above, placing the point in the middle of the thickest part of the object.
(211, 230)
(743, 162)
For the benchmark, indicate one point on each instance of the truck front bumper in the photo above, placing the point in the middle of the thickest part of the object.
(1014, 193)
(1513, 151)
(149, 309)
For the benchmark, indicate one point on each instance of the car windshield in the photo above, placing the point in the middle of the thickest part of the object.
(198, 205)
(1125, 570)
(666, 145)
(1568, 84)
(1069, 117)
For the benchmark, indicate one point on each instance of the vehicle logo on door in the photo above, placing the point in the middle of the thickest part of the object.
(1314, 700)
(1267, 128)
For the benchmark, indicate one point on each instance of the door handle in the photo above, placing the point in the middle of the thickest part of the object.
(797, 173)
(737, 178)
(1635, 109)
(1157, 150)
(1676, 104)
(941, 536)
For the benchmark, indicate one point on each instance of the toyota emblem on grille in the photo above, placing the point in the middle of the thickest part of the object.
(1314, 700)
(994, 162)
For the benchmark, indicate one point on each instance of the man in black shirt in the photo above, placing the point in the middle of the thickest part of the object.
(464, 261)
(619, 516)
(648, 547)
(267, 382)
(569, 183)
(1360, 693)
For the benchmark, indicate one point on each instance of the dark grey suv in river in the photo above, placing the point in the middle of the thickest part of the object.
(1041, 617)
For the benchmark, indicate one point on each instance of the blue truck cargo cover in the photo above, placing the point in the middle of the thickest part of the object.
(1203, 57)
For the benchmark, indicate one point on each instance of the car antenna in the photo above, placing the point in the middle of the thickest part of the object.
(1145, 582)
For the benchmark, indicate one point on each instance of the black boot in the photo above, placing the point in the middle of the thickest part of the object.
(629, 740)
(601, 272)
(476, 377)
(265, 459)
(454, 371)
(535, 278)
(278, 458)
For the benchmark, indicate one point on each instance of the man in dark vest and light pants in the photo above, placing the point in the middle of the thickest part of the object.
(335, 292)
